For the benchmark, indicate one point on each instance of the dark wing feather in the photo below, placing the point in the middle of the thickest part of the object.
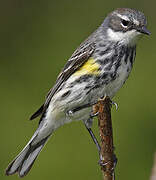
(37, 113)
(79, 57)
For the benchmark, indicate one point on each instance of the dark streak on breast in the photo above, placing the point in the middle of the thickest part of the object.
(67, 93)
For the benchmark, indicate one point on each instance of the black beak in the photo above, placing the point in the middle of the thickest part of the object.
(143, 30)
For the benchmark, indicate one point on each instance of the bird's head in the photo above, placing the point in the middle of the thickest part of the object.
(125, 25)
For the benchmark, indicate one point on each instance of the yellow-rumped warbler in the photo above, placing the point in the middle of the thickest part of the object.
(99, 67)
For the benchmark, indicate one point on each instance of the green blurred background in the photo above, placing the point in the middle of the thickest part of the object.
(32, 35)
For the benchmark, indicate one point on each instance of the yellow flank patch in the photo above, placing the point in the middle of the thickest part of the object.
(89, 67)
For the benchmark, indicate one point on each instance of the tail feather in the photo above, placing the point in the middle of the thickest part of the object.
(24, 161)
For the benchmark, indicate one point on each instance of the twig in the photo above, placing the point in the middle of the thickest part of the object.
(103, 107)
(153, 174)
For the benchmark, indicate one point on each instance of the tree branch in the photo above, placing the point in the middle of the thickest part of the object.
(103, 107)
(153, 174)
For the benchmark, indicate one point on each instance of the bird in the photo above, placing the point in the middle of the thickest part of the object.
(98, 67)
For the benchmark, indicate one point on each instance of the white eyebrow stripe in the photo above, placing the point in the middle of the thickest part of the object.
(127, 19)
(123, 17)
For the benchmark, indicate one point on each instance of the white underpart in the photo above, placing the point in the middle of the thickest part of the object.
(112, 88)
(129, 37)
(56, 112)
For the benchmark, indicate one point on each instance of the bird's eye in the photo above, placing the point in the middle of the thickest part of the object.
(124, 23)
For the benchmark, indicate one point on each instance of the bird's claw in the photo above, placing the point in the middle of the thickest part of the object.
(115, 104)
(104, 164)
(92, 115)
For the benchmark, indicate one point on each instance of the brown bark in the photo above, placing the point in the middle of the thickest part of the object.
(103, 107)
(153, 174)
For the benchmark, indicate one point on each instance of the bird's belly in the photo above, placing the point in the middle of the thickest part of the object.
(60, 106)
(115, 84)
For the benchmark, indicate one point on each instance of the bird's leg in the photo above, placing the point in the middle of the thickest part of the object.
(88, 122)
(99, 149)
(93, 114)
(93, 138)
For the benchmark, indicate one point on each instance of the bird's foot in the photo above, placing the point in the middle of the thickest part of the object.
(111, 102)
(114, 104)
(93, 114)
(104, 164)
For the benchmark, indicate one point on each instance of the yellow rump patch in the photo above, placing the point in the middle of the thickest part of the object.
(89, 67)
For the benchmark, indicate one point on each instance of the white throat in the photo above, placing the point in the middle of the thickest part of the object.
(130, 37)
